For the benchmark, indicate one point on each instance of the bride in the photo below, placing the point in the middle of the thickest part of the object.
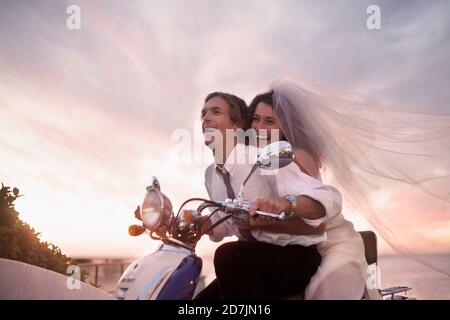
(356, 142)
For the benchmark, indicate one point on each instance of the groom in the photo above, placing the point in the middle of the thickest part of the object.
(273, 259)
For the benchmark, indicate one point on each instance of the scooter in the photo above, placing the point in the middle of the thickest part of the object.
(172, 272)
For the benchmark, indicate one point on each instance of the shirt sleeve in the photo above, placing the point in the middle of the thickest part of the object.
(329, 197)
(291, 180)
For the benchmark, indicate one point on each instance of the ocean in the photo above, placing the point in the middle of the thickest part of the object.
(426, 283)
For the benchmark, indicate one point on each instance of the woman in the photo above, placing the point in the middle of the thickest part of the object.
(342, 272)
(368, 149)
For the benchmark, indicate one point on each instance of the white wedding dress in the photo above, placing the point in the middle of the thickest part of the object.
(342, 273)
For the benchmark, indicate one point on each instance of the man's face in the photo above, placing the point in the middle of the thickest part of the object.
(216, 116)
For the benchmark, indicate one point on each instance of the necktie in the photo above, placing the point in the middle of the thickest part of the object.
(246, 233)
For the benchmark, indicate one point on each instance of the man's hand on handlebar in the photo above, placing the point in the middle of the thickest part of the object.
(293, 225)
(274, 205)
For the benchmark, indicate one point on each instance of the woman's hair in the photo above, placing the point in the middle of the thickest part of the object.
(305, 144)
(237, 108)
(266, 98)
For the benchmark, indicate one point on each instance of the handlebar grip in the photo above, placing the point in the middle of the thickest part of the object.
(231, 208)
(280, 216)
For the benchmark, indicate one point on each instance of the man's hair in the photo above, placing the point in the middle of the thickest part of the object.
(237, 108)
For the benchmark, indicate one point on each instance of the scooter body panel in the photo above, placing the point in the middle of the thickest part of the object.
(182, 282)
(146, 277)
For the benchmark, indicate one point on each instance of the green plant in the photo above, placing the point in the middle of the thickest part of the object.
(19, 241)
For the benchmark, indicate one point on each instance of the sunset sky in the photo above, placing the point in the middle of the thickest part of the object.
(87, 116)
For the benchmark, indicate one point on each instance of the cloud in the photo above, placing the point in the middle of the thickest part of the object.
(90, 112)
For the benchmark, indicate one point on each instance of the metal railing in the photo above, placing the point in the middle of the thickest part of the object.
(104, 275)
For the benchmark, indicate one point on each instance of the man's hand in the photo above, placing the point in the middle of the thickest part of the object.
(255, 221)
(293, 225)
(273, 205)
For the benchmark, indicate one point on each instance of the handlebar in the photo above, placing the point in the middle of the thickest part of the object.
(186, 227)
(237, 206)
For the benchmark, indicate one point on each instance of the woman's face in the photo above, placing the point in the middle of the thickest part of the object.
(266, 124)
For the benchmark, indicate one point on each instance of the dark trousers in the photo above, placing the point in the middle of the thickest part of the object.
(259, 270)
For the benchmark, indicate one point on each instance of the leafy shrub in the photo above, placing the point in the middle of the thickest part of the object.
(19, 241)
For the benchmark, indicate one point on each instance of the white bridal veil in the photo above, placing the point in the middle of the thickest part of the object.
(369, 149)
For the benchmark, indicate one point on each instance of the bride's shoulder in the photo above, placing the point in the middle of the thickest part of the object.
(306, 163)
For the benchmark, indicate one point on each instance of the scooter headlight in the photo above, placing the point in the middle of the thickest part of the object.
(151, 210)
(156, 209)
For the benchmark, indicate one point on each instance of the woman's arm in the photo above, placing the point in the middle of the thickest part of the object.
(292, 225)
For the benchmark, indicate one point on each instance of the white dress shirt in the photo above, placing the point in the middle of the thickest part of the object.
(268, 183)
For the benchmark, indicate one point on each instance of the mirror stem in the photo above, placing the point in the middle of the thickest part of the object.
(241, 191)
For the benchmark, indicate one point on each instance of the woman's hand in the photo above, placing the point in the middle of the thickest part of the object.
(255, 222)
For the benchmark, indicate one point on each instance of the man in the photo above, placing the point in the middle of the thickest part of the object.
(272, 259)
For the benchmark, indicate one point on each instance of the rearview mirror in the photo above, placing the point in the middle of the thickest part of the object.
(275, 155)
